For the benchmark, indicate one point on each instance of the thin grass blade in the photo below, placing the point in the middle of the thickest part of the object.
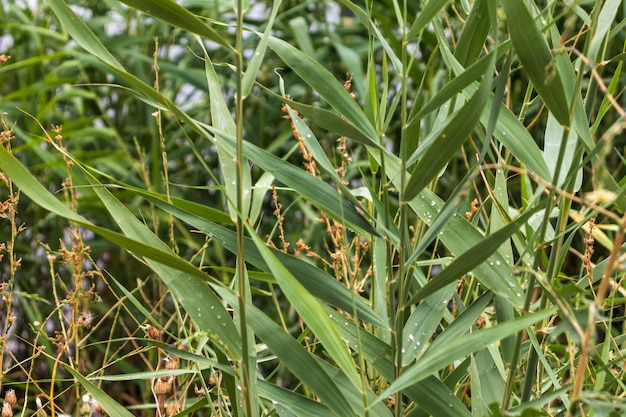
(449, 140)
(475, 256)
(112, 407)
(177, 16)
(310, 310)
(259, 53)
(296, 358)
(534, 53)
(455, 349)
(320, 79)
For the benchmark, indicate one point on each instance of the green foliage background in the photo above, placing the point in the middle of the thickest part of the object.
(325, 208)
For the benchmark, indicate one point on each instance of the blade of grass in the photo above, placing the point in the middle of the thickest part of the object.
(448, 142)
(534, 53)
(425, 17)
(310, 310)
(429, 394)
(313, 189)
(473, 34)
(259, 53)
(320, 79)
(433, 361)
(423, 323)
(222, 120)
(296, 358)
(316, 281)
(475, 256)
(195, 295)
(458, 83)
(177, 16)
(109, 405)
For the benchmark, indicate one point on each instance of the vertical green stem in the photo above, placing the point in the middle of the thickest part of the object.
(404, 248)
(246, 391)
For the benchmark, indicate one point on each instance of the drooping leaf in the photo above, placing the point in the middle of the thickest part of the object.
(112, 407)
(177, 16)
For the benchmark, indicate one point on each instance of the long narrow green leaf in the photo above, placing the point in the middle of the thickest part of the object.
(429, 394)
(259, 53)
(282, 398)
(112, 407)
(313, 189)
(310, 310)
(222, 120)
(176, 15)
(195, 295)
(83, 36)
(371, 26)
(449, 140)
(606, 17)
(474, 33)
(201, 303)
(330, 121)
(533, 51)
(425, 17)
(508, 130)
(459, 236)
(295, 357)
(432, 361)
(475, 256)
(423, 322)
(316, 281)
(551, 150)
(320, 79)
(451, 89)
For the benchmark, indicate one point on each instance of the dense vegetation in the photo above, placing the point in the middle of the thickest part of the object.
(307, 208)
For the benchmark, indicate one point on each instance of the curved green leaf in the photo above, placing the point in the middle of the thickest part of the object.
(433, 360)
(474, 33)
(295, 357)
(316, 281)
(316, 191)
(320, 79)
(534, 53)
(112, 407)
(177, 16)
(448, 142)
(475, 256)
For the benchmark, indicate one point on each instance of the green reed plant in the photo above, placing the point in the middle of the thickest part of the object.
(322, 208)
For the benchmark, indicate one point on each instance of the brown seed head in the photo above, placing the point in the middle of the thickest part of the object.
(10, 397)
(7, 411)
(163, 387)
(170, 362)
(151, 331)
